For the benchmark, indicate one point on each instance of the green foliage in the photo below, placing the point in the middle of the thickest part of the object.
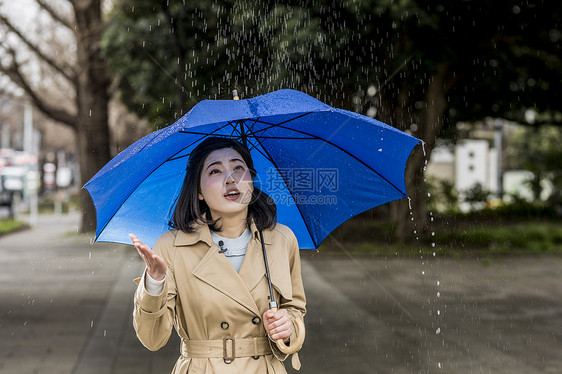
(501, 57)
(477, 196)
(442, 196)
(165, 54)
(538, 150)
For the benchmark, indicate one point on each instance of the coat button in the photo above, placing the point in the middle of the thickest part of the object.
(225, 325)
(256, 357)
(256, 320)
(227, 361)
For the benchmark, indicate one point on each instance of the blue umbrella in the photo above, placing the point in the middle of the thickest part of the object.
(321, 165)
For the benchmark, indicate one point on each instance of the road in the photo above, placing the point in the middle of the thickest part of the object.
(65, 307)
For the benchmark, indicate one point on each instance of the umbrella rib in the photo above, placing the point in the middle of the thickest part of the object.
(256, 137)
(220, 135)
(345, 151)
(271, 125)
(288, 189)
(203, 134)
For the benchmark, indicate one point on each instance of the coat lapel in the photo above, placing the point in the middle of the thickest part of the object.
(253, 267)
(215, 270)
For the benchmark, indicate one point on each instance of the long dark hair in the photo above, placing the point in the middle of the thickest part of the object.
(189, 210)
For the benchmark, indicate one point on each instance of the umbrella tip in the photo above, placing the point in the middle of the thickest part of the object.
(235, 95)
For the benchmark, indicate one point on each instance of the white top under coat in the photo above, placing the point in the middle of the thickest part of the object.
(235, 248)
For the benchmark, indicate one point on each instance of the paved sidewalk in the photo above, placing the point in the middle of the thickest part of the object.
(65, 304)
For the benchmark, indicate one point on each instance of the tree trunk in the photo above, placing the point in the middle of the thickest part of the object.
(92, 102)
(416, 220)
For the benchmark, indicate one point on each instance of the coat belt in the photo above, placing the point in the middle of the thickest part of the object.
(227, 348)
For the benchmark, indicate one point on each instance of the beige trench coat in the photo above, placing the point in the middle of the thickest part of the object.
(206, 299)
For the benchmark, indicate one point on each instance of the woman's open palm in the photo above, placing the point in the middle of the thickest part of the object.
(155, 265)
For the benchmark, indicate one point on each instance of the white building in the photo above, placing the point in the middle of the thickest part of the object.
(472, 162)
(475, 163)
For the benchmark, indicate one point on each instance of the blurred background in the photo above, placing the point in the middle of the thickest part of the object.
(478, 81)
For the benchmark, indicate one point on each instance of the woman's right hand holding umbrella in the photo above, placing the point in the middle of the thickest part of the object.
(155, 265)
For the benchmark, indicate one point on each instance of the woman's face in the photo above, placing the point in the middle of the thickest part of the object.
(226, 183)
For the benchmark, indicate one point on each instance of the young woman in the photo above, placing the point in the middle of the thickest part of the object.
(207, 277)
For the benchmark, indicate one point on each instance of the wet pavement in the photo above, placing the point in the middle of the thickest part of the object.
(65, 307)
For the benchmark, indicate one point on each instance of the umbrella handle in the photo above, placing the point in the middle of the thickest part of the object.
(297, 344)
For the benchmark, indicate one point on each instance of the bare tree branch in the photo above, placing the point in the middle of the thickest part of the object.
(62, 70)
(14, 73)
(54, 15)
(8, 94)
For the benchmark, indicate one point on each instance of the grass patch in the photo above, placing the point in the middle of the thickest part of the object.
(532, 237)
(9, 225)
(456, 240)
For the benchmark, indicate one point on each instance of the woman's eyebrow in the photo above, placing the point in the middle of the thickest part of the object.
(214, 163)
(220, 162)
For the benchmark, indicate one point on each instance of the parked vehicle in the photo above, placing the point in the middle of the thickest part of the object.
(14, 179)
(6, 197)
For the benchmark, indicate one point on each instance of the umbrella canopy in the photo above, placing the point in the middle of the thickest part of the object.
(321, 165)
